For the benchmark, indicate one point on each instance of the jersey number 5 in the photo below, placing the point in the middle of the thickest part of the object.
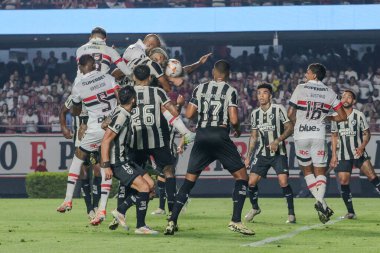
(102, 99)
(314, 110)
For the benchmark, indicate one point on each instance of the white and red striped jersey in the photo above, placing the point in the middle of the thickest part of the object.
(313, 101)
(104, 56)
(97, 92)
(135, 51)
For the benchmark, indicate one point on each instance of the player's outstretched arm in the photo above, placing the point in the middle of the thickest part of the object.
(191, 111)
(62, 120)
(339, 116)
(163, 81)
(109, 136)
(192, 67)
(117, 74)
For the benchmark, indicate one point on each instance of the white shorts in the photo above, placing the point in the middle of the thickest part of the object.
(311, 151)
(91, 141)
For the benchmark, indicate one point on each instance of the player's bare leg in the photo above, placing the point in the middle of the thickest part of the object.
(368, 170)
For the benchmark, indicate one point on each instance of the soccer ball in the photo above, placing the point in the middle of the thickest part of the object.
(174, 68)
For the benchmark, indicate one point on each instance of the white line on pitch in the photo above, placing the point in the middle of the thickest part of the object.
(288, 235)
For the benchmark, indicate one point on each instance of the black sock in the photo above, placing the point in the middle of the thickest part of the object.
(86, 191)
(170, 187)
(288, 194)
(96, 189)
(347, 197)
(376, 183)
(161, 194)
(254, 196)
(129, 201)
(141, 208)
(121, 195)
(238, 198)
(181, 199)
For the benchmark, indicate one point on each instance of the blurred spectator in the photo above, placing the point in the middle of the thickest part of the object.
(51, 64)
(257, 59)
(55, 126)
(39, 65)
(218, 3)
(30, 121)
(41, 166)
(365, 89)
(351, 73)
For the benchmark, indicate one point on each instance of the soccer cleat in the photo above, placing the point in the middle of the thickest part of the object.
(65, 207)
(189, 138)
(91, 215)
(240, 228)
(329, 212)
(349, 216)
(170, 228)
(251, 214)
(322, 214)
(158, 211)
(145, 230)
(120, 219)
(99, 218)
(114, 224)
(291, 219)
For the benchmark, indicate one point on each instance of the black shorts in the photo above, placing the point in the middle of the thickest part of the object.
(126, 173)
(162, 157)
(346, 165)
(261, 164)
(214, 143)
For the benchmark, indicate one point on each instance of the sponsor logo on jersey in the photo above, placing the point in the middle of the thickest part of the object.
(306, 128)
(266, 127)
(93, 80)
(347, 132)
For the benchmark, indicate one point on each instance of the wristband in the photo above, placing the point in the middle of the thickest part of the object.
(105, 165)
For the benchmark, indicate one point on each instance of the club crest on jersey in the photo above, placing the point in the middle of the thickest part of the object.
(117, 127)
(97, 57)
(271, 116)
(353, 122)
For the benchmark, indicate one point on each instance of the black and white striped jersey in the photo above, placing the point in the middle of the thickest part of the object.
(350, 134)
(212, 100)
(77, 120)
(155, 68)
(270, 125)
(146, 118)
(121, 125)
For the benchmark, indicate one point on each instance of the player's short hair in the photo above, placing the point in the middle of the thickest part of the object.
(86, 59)
(155, 37)
(141, 72)
(99, 30)
(126, 94)
(223, 67)
(41, 160)
(352, 93)
(266, 86)
(318, 69)
(158, 50)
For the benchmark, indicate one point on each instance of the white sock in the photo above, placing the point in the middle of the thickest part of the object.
(321, 186)
(72, 179)
(105, 191)
(311, 183)
(176, 122)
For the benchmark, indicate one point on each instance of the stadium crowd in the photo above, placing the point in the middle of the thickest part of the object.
(32, 93)
(105, 4)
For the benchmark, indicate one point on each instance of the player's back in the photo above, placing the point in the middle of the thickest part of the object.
(104, 55)
(134, 51)
(146, 118)
(212, 100)
(97, 92)
(313, 101)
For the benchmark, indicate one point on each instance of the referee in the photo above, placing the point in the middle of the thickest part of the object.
(216, 104)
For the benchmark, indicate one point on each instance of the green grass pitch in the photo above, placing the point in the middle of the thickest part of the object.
(33, 225)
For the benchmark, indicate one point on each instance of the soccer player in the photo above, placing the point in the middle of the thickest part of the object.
(175, 151)
(114, 162)
(80, 126)
(348, 140)
(309, 107)
(97, 92)
(270, 128)
(216, 105)
(103, 55)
